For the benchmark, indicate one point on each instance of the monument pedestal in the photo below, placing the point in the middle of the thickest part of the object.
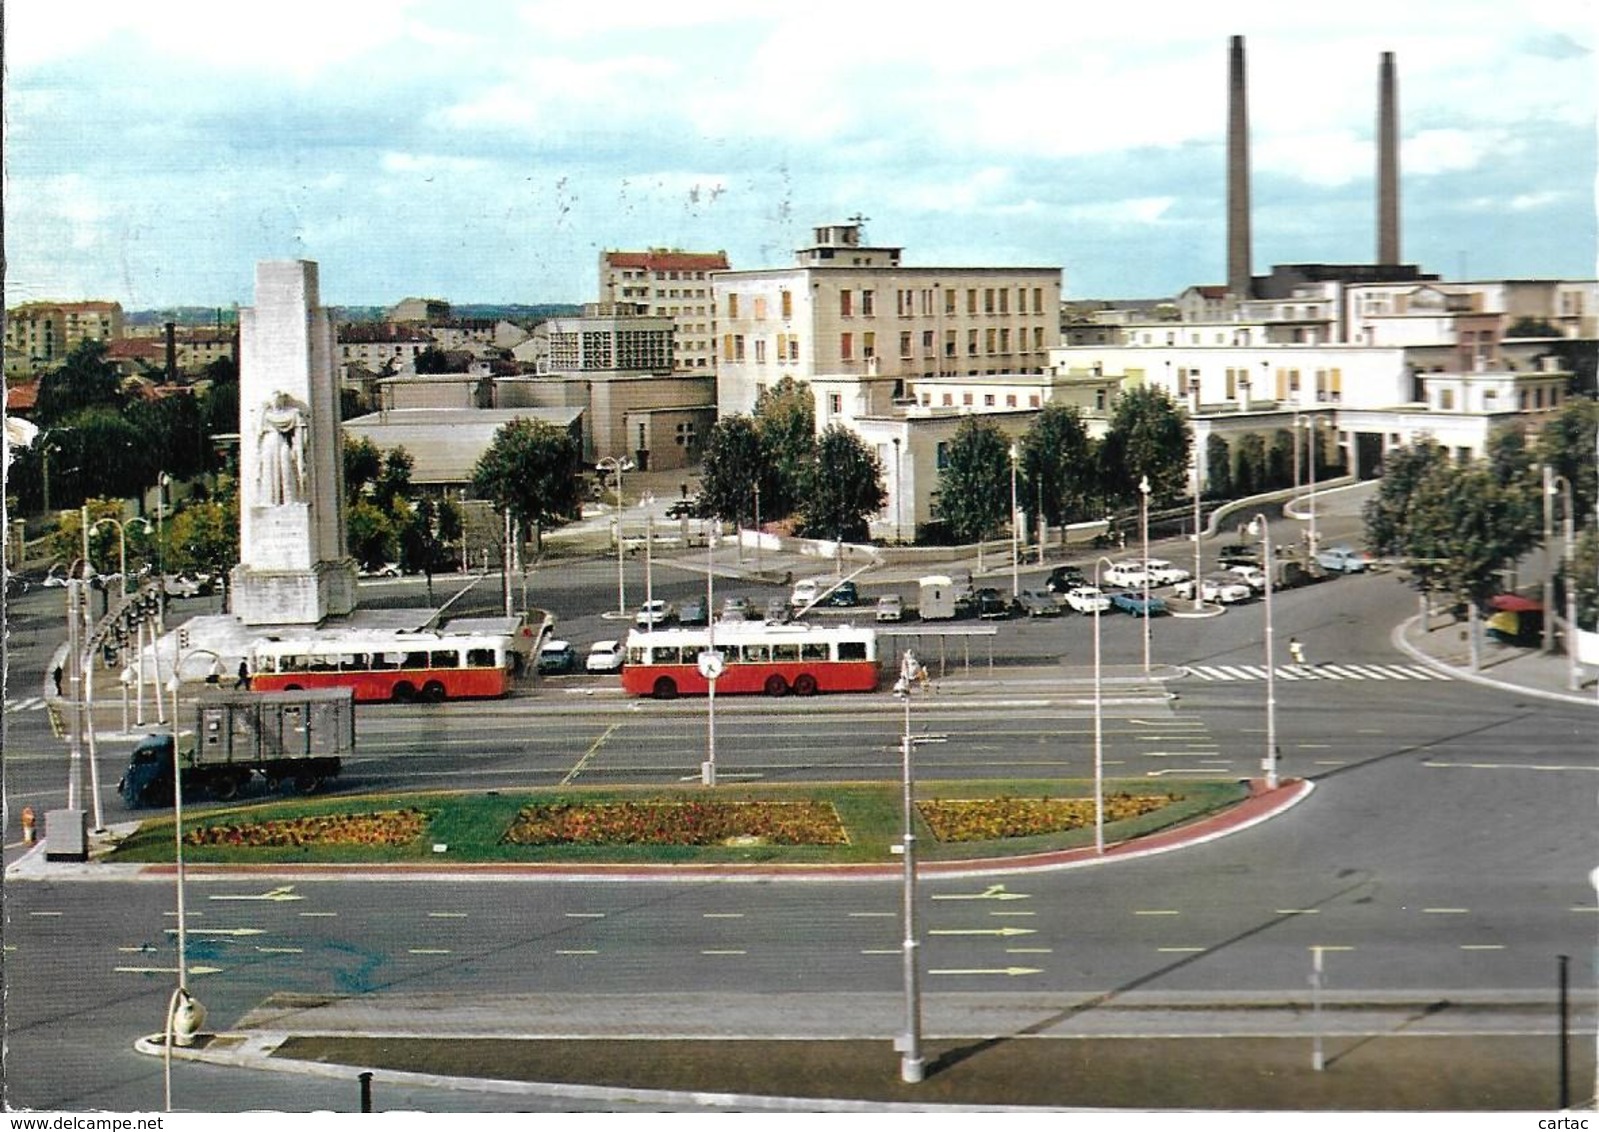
(293, 597)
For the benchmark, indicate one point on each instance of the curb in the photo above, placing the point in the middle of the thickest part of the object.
(1400, 638)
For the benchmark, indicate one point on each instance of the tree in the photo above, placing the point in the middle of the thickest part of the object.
(432, 528)
(1219, 468)
(203, 538)
(370, 534)
(432, 360)
(785, 421)
(734, 460)
(363, 463)
(1280, 458)
(1567, 444)
(84, 380)
(395, 481)
(1148, 436)
(1585, 575)
(1387, 514)
(974, 487)
(1249, 464)
(846, 488)
(531, 470)
(1529, 327)
(1058, 466)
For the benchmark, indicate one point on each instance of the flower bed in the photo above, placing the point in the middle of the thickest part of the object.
(383, 827)
(677, 823)
(991, 819)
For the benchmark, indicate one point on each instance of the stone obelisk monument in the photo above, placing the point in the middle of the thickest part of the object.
(293, 568)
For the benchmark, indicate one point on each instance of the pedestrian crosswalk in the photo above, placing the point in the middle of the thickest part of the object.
(32, 703)
(1221, 672)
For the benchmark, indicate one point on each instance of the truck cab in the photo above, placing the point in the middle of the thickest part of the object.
(148, 779)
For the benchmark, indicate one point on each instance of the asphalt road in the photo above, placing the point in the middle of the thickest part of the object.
(1445, 853)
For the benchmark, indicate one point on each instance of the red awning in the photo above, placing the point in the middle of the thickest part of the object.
(1514, 603)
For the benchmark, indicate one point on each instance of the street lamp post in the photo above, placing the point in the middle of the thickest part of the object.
(1015, 532)
(897, 510)
(649, 554)
(185, 1015)
(1573, 676)
(911, 1067)
(1143, 519)
(1311, 423)
(710, 667)
(618, 465)
(1258, 526)
(1099, 722)
(1199, 586)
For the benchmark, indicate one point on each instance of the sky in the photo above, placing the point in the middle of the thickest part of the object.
(489, 150)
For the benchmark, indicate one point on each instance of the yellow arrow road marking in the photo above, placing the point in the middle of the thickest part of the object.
(277, 895)
(992, 892)
(983, 931)
(987, 971)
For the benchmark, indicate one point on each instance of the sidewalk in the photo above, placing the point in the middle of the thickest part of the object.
(1529, 671)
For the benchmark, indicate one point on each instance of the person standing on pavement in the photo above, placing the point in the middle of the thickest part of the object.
(56, 676)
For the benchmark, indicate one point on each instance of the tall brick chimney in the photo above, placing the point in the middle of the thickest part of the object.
(1239, 278)
(1387, 163)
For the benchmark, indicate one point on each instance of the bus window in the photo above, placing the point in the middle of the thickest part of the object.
(352, 662)
(637, 655)
(852, 650)
(382, 660)
(755, 653)
(813, 650)
(480, 658)
(415, 660)
(444, 658)
(666, 654)
(322, 663)
(292, 664)
(788, 652)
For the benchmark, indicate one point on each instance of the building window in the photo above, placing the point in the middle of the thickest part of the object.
(760, 351)
(927, 343)
(988, 300)
(793, 347)
(760, 307)
(846, 347)
(989, 339)
(1004, 300)
(1032, 401)
(949, 400)
(971, 343)
(988, 400)
(1004, 340)
(685, 435)
(869, 345)
(835, 404)
(732, 304)
(868, 304)
(788, 304)
(738, 347)
(905, 343)
(949, 301)
(846, 304)
(966, 398)
(949, 343)
(1038, 300)
(941, 455)
(971, 300)
(1010, 400)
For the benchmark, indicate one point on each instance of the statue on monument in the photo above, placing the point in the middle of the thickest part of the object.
(280, 458)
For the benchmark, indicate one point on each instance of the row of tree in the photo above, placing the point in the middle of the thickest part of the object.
(1456, 526)
(98, 436)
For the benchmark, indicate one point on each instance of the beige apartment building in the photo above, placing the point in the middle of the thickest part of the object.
(849, 309)
(674, 284)
(44, 333)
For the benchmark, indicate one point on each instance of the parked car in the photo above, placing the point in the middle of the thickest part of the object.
(1126, 574)
(1064, 578)
(1036, 603)
(890, 607)
(1131, 601)
(55, 577)
(654, 613)
(777, 611)
(1238, 554)
(805, 591)
(1164, 573)
(844, 596)
(1087, 599)
(382, 570)
(691, 612)
(683, 509)
(1343, 560)
(556, 658)
(989, 603)
(182, 585)
(735, 608)
(1226, 589)
(605, 656)
(1252, 576)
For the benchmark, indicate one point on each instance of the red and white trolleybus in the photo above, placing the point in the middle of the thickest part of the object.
(756, 657)
(395, 666)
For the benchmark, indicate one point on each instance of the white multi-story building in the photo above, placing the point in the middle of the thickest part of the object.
(852, 310)
(669, 283)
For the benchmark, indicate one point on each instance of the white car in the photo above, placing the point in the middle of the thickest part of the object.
(604, 656)
(1222, 588)
(805, 591)
(890, 607)
(1252, 576)
(1164, 573)
(654, 613)
(1128, 574)
(1087, 599)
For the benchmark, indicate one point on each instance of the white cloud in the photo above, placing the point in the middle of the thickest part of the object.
(1135, 210)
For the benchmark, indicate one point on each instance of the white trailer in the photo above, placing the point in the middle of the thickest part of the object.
(937, 599)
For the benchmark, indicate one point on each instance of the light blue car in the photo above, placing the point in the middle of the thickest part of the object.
(1130, 601)
(1342, 560)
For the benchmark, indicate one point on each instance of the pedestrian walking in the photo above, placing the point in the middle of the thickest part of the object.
(244, 675)
(56, 676)
(1297, 651)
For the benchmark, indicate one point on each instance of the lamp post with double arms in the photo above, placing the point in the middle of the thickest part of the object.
(1143, 519)
(909, 1045)
(1260, 528)
(1099, 721)
(618, 465)
(1015, 532)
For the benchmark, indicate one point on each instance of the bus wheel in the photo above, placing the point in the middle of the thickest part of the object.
(292, 688)
(776, 685)
(306, 783)
(403, 692)
(225, 787)
(666, 688)
(433, 692)
(804, 684)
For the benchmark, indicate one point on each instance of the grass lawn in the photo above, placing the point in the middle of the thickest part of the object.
(746, 822)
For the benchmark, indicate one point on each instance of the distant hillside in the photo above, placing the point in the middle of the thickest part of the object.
(183, 316)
